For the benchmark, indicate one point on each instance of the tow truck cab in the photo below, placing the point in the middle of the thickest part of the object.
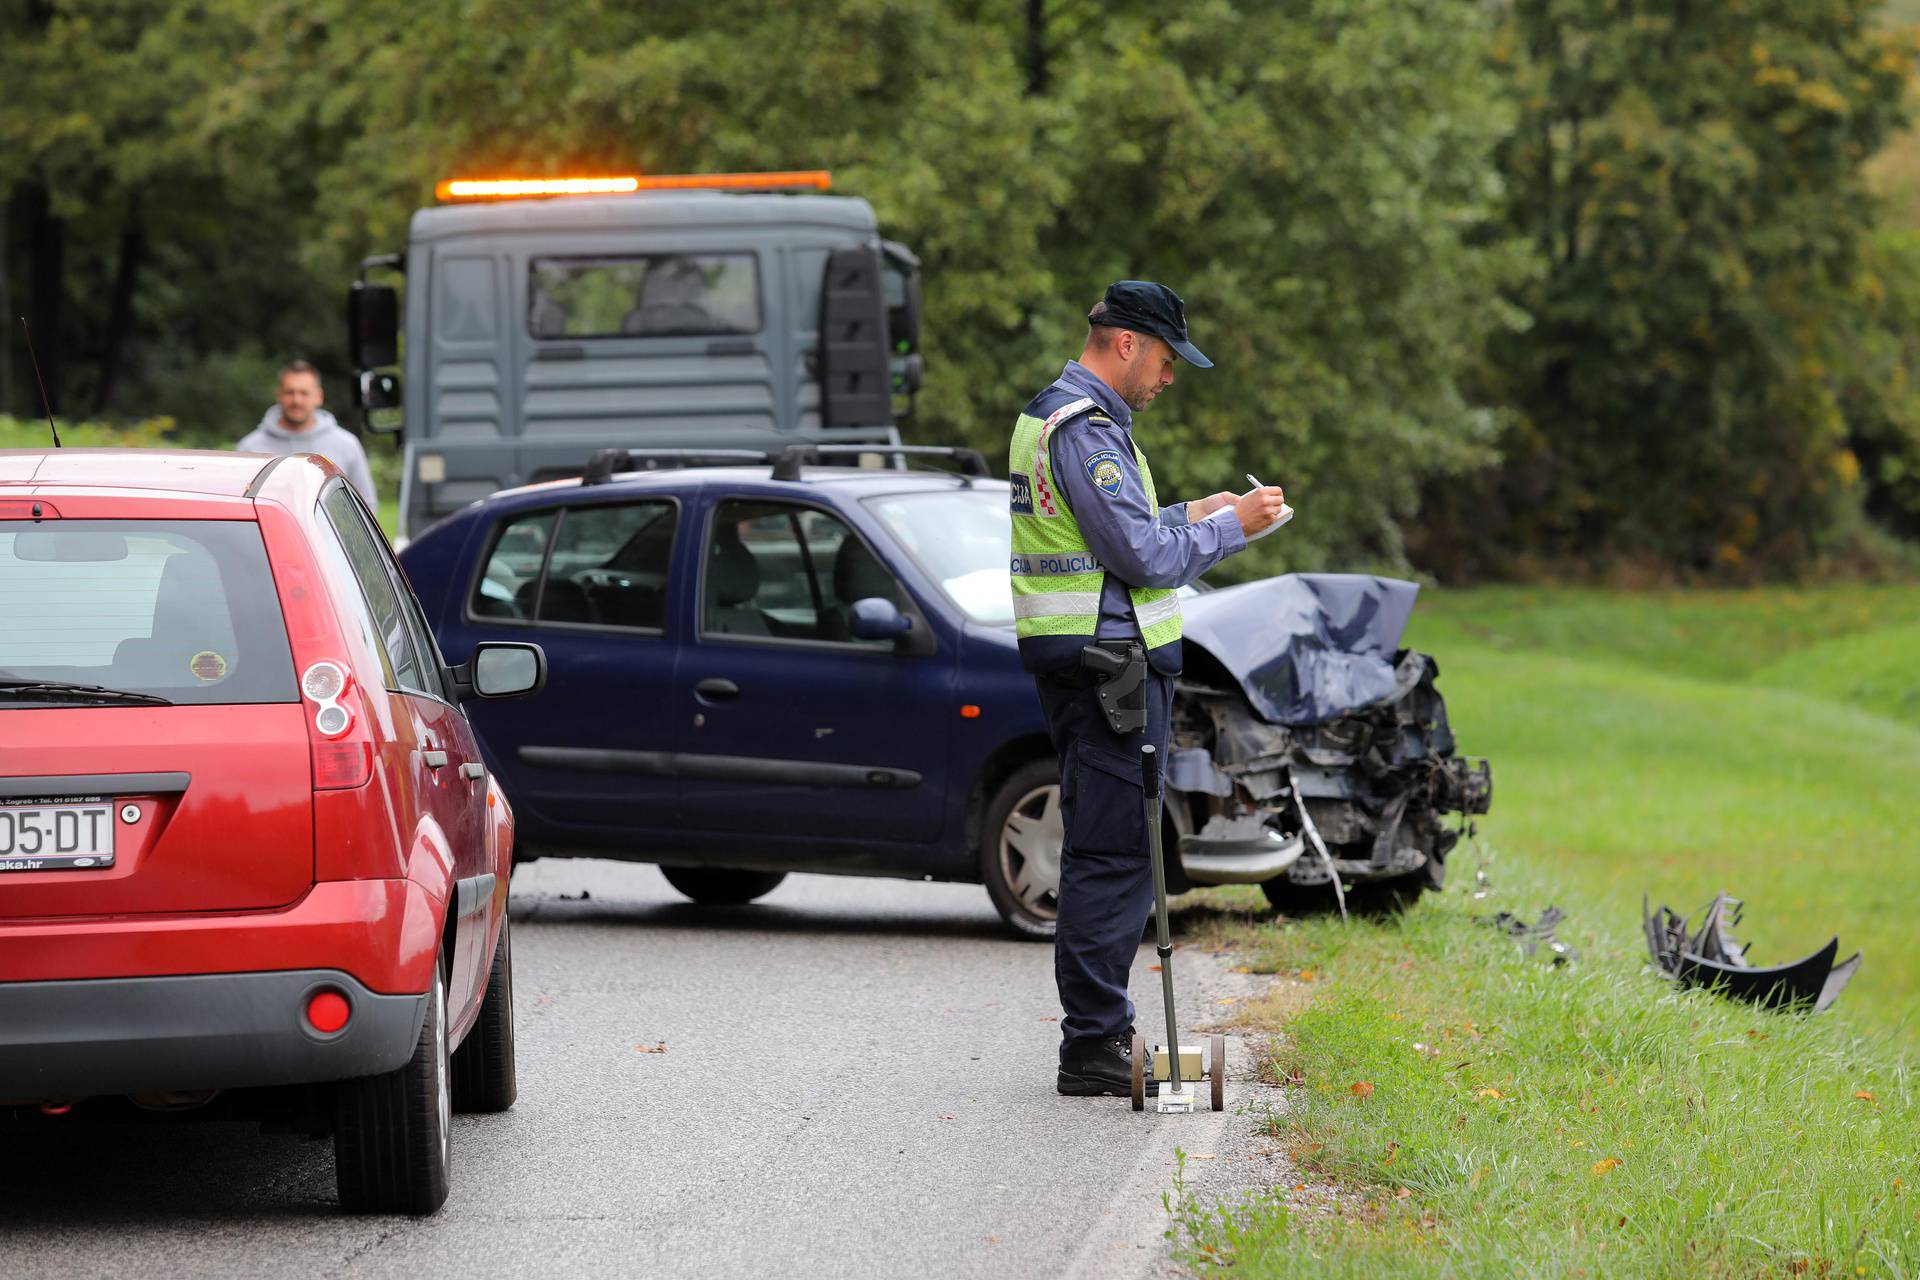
(706, 312)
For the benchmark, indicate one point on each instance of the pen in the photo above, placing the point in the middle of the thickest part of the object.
(1255, 483)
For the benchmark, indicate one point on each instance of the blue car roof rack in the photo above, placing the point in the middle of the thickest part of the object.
(607, 463)
(787, 463)
(791, 459)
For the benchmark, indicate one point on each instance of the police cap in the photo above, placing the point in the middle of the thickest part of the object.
(1146, 307)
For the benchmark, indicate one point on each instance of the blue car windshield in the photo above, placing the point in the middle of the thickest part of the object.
(962, 538)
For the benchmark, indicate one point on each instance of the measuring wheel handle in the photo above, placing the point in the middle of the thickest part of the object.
(1217, 1071)
(1139, 1074)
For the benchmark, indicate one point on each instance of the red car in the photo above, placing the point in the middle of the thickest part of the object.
(248, 847)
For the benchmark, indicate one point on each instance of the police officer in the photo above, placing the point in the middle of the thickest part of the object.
(1097, 560)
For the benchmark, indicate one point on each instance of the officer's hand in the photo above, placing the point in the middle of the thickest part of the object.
(1258, 508)
(1201, 508)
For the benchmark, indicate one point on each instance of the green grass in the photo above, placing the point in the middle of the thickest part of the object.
(1522, 1120)
(1674, 744)
(32, 433)
(1875, 670)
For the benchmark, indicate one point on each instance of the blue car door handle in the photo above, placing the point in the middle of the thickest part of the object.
(717, 687)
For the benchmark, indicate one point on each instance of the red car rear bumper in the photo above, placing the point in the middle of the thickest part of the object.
(385, 933)
(135, 1005)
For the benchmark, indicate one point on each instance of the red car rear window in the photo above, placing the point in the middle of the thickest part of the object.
(182, 609)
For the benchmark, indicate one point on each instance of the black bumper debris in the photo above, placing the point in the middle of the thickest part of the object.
(1708, 956)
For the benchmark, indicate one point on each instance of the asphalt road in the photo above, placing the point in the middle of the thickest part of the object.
(857, 1080)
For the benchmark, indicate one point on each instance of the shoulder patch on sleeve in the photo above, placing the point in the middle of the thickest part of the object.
(1020, 494)
(1103, 468)
(1100, 419)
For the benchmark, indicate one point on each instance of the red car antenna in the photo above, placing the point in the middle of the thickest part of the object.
(44, 402)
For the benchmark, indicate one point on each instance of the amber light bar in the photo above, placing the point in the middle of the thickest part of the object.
(455, 189)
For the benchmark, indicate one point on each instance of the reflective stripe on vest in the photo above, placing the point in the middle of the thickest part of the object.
(1057, 579)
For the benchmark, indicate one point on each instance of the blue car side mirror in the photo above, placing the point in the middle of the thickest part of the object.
(877, 618)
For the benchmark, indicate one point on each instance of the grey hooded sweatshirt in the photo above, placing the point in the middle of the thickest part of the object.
(325, 437)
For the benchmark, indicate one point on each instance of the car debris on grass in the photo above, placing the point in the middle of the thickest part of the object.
(1708, 956)
(1537, 938)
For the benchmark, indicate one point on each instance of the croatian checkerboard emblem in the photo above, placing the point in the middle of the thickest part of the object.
(1103, 468)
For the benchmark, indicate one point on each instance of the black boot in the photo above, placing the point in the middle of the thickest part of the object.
(1096, 1068)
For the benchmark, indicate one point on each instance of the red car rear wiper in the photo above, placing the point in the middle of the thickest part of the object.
(67, 691)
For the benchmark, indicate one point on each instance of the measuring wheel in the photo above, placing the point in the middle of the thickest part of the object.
(1139, 1073)
(1217, 1071)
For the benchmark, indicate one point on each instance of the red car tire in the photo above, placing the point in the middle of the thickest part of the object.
(392, 1132)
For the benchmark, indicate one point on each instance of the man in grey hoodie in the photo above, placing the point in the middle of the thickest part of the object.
(297, 424)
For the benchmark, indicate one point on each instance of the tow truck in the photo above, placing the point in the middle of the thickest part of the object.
(541, 320)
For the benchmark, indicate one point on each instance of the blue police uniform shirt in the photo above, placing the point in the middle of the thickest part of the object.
(1093, 465)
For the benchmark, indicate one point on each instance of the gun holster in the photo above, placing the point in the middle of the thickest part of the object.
(1121, 666)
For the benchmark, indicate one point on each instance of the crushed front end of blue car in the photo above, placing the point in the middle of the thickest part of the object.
(1311, 752)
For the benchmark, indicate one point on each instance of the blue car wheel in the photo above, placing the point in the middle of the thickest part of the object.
(1020, 849)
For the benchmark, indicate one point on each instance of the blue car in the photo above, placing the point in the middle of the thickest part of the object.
(762, 667)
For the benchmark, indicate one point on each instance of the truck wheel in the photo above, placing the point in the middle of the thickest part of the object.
(1020, 844)
(392, 1132)
(720, 886)
(483, 1071)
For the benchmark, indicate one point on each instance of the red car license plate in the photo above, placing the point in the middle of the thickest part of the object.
(55, 837)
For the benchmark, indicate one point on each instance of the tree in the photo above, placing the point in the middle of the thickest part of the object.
(1690, 176)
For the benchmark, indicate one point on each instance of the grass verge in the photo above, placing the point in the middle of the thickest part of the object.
(1484, 1114)
(1674, 744)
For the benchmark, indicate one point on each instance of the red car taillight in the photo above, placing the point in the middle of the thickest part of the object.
(338, 765)
(342, 751)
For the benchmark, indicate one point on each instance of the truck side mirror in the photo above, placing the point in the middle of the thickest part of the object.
(903, 297)
(373, 391)
(373, 325)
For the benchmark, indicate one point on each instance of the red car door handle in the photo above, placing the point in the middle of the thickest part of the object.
(717, 687)
(473, 772)
(434, 759)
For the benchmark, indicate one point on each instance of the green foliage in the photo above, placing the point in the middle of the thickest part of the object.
(152, 433)
(168, 255)
(1880, 393)
(1309, 179)
(1692, 181)
(1537, 279)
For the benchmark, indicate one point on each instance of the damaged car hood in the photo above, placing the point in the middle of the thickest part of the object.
(1306, 647)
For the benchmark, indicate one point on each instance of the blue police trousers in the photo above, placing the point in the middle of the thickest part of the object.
(1106, 878)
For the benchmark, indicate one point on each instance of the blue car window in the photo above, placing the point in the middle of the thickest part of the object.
(789, 572)
(609, 566)
(509, 586)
